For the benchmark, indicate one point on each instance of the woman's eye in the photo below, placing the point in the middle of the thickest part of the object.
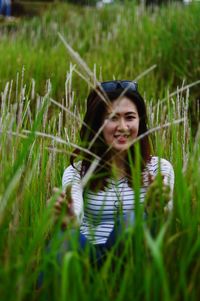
(130, 117)
(113, 118)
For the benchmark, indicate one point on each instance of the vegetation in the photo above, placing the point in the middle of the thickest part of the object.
(42, 104)
(121, 41)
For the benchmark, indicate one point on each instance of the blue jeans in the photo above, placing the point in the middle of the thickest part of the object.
(81, 242)
(75, 240)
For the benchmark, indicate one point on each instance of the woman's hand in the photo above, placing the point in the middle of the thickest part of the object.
(63, 207)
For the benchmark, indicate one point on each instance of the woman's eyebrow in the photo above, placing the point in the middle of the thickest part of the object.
(119, 113)
(131, 112)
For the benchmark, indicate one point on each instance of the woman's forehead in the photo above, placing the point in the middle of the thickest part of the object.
(121, 105)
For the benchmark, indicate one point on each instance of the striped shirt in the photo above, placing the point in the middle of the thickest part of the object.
(97, 211)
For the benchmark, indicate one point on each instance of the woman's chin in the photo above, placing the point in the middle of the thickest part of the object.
(120, 147)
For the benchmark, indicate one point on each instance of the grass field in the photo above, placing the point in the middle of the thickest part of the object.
(42, 105)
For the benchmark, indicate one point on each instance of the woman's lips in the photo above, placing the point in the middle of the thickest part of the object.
(121, 138)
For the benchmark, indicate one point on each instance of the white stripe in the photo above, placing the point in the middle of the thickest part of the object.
(101, 208)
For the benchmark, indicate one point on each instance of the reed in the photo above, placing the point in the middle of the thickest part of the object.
(118, 41)
(33, 155)
(39, 130)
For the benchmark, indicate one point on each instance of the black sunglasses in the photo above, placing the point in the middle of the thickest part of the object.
(113, 85)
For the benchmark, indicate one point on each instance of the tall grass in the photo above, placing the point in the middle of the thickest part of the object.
(37, 134)
(34, 152)
(121, 40)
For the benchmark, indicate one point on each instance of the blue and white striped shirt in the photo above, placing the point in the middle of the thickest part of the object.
(96, 211)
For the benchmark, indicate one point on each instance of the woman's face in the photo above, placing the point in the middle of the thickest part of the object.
(121, 124)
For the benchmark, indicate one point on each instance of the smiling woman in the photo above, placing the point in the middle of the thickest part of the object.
(115, 116)
(121, 124)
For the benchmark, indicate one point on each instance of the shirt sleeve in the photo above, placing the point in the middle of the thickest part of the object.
(71, 176)
(167, 171)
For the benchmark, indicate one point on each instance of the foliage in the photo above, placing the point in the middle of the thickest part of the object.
(37, 134)
(118, 41)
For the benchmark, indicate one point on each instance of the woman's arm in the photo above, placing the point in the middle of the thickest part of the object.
(68, 205)
(159, 196)
(63, 208)
(71, 177)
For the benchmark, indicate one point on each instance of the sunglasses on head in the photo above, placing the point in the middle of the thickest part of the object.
(113, 85)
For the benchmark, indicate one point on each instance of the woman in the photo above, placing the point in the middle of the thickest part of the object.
(114, 119)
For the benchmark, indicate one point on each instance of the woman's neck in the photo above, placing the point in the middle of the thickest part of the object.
(118, 166)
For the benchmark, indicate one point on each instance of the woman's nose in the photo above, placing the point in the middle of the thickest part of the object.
(122, 125)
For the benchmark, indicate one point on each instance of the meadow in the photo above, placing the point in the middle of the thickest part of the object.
(43, 86)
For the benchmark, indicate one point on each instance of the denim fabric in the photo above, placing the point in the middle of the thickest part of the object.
(97, 252)
(71, 239)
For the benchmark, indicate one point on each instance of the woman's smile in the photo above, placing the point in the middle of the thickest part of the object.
(121, 124)
(121, 138)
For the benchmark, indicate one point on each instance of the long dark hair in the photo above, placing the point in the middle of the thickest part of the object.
(93, 120)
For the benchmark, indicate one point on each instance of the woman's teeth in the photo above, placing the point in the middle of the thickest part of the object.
(121, 136)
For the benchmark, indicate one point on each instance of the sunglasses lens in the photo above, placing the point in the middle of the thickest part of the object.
(109, 86)
(129, 85)
(113, 85)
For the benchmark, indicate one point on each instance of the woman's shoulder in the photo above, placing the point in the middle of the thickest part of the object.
(157, 164)
(76, 168)
(160, 165)
(71, 173)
